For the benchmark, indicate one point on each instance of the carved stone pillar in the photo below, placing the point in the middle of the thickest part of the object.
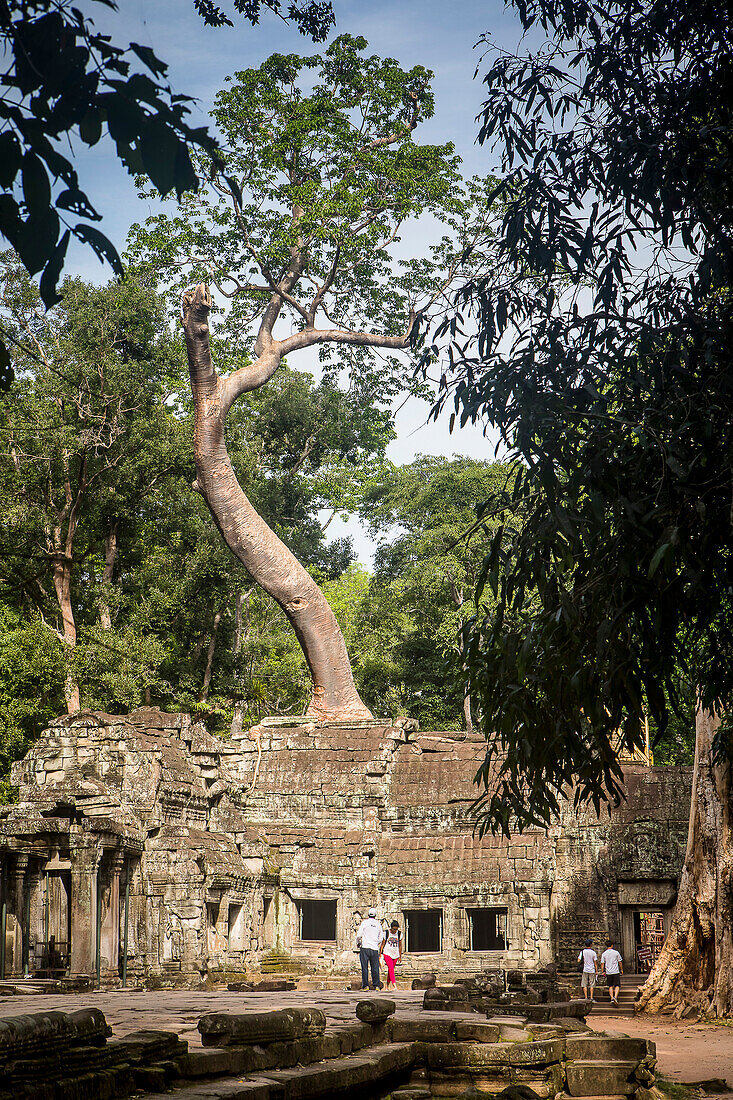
(222, 930)
(34, 905)
(20, 939)
(84, 867)
(110, 930)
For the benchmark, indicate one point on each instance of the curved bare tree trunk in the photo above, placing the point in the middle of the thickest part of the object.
(267, 559)
(695, 966)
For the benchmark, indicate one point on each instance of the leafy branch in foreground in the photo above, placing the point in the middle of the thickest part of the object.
(63, 81)
(604, 359)
(602, 356)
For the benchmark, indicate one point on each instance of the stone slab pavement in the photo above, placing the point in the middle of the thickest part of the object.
(179, 1010)
(685, 1052)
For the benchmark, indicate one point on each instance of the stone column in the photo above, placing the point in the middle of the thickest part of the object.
(21, 932)
(84, 870)
(34, 903)
(110, 933)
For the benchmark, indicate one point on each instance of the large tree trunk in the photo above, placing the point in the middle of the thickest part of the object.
(695, 966)
(267, 559)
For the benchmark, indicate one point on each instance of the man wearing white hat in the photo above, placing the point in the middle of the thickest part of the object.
(369, 936)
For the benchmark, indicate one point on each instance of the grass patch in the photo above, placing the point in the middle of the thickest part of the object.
(674, 1090)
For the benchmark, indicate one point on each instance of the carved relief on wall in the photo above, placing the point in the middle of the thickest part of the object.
(662, 892)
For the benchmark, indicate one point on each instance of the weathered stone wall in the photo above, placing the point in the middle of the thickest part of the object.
(217, 846)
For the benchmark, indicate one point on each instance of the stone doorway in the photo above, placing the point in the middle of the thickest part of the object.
(649, 935)
(645, 909)
(50, 956)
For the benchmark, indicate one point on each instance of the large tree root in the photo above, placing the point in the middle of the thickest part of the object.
(694, 971)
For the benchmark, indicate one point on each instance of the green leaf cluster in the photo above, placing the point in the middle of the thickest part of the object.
(320, 171)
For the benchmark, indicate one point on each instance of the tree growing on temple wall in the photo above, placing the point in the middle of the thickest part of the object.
(299, 235)
(603, 357)
(113, 584)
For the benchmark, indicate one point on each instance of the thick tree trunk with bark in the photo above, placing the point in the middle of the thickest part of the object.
(695, 966)
(266, 558)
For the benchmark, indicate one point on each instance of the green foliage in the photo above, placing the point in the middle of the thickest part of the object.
(85, 436)
(406, 654)
(31, 686)
(321, 171)
(312, 17)
(66, 78)
(603, 357)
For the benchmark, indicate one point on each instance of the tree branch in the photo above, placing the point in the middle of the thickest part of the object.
(308, 337)
(250, 377)
(320, 294)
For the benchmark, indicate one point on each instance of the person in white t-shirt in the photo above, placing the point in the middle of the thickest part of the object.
(589, 960)
(612, 965)
(369, 936)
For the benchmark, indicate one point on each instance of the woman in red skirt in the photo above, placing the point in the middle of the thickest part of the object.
(392, 950)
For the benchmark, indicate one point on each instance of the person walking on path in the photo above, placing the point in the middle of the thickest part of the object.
(392, 950)
(612, 965)
(369, 937)
(589, 960)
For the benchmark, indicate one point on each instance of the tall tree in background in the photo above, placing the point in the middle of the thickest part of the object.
(84, 437)
(604, 358)
(425, 572)
(298, 235)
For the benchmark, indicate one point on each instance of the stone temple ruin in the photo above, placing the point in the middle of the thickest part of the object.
(143, 849)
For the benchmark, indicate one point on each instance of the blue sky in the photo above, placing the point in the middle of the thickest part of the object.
(440, 36)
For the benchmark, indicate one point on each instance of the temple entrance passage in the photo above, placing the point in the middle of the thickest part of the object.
(423, 930)
(316, 920)
(645, 909)
(649, 937)
(488, 929)
(52, 954)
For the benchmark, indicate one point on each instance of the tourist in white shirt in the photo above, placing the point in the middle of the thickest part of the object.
(612, 965)
(369, 936)
(590, 969)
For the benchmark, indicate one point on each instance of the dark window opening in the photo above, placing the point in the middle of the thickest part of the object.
(488, 929)
(316, 920)
(423, 930)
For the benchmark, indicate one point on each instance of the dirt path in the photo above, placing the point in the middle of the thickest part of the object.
(685, 1052)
